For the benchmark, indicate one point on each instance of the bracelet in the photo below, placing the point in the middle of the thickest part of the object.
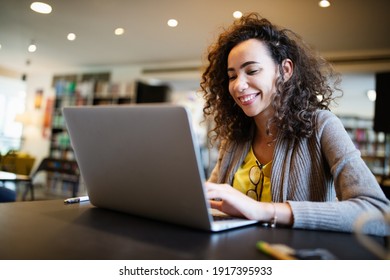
(275, 218)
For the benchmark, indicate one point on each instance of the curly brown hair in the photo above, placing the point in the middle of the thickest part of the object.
(310, 87)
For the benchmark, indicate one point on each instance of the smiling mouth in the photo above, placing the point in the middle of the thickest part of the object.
(248, 98)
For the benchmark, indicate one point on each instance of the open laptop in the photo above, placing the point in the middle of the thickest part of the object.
(143, 160)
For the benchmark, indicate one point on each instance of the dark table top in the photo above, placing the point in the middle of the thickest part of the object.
(52, 230)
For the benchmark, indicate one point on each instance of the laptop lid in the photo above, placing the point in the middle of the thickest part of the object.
(142, 160)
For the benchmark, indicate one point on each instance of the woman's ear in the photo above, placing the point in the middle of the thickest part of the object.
(288, 68)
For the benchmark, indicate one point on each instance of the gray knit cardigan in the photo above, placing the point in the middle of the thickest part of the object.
(323, 178)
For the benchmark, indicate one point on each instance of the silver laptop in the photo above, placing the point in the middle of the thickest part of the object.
(143, 160)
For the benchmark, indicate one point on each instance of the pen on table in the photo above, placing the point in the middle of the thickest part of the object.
(76, 199)
(274, 251)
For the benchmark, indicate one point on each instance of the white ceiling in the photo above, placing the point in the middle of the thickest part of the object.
(348, 29)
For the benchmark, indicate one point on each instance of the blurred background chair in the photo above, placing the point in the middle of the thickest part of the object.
(15, 169)
(59, 173)
(17, 162)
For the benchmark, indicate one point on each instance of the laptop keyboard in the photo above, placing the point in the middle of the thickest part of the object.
(223, 218)
(220, 216)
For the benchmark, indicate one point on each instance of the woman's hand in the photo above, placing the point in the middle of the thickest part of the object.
(233, 202)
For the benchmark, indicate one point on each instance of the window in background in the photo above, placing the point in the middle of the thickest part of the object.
(12, 102)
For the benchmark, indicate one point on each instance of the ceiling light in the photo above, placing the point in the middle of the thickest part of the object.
(0, 46)
(32, 47)
(71, 37)
(41, 7)
(172, 22)
(119, 31)
(237, 14)
(324, 3)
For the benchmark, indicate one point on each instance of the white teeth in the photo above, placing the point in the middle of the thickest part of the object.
(247, 98)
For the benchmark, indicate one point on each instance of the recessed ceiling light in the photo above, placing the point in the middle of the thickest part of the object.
(41, 7)
(324, 3)
(237, 14)
(172, 22)
(32, 47)
(119, 31)
(71, 37)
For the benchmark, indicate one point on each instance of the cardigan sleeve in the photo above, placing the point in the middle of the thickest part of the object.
(357, 189)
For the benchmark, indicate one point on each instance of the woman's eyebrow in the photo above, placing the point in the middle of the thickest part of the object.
(243, 65)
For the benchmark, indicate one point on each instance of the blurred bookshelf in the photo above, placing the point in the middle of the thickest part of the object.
(91, 89)
(373, 145)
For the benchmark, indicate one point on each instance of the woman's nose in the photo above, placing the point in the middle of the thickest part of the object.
(240, 84)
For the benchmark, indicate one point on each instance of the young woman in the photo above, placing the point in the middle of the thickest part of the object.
(284, 157)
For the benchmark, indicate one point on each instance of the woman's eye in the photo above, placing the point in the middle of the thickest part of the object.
(252, 72)
(231, 78)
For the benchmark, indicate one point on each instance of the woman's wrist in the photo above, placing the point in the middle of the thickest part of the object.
(272, 213)
(274, 218)
(278, 213)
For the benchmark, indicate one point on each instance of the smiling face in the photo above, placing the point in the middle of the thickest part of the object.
(252, 75)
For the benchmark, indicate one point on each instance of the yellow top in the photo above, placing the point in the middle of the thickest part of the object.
(260, 175)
